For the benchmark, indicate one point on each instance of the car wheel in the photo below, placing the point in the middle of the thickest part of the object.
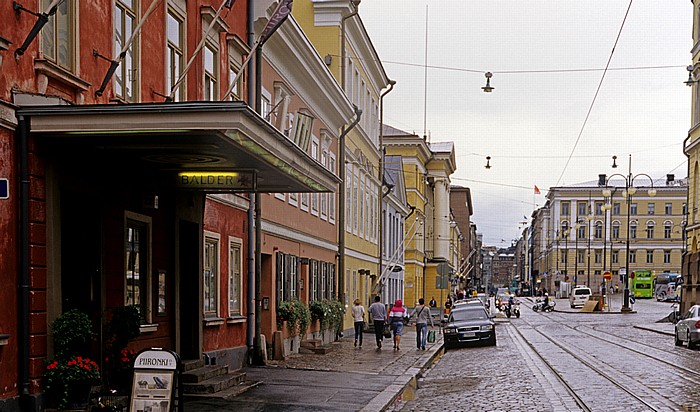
(691, 344)
(534, 308)
(492, 341)
(661, 297)
(679, 342)
(573, 306)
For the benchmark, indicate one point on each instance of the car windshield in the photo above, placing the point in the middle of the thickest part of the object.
(582, 292)
(463, 315)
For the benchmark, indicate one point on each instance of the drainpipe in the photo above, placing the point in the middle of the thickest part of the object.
(684, 254)
(257, 352)
(250, 298)
(381, 179)
(341, 205)
(23, 301)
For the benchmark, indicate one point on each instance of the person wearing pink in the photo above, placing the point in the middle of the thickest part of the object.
(396, 320)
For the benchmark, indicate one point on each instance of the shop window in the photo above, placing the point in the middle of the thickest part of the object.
(235, 281)
(211, 275)
(137, 264)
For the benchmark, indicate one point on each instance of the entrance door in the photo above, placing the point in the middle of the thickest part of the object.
(189, 284)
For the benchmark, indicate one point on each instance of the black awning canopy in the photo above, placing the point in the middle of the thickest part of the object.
(173, 138)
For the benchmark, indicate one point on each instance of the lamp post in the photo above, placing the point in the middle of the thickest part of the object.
(630, 190)
(577, 227)
(566, 250)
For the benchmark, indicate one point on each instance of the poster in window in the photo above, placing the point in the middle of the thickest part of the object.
(161, 293)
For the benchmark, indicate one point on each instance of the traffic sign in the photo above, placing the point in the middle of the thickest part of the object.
(607, 275)
(443, 269)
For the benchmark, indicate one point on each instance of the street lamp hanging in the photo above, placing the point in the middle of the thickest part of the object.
(488, 88)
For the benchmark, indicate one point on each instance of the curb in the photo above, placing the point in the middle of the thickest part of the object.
(653, 330)
(407, 381)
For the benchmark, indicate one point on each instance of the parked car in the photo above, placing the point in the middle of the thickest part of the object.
(469, 324)
(688, 327)
(579, 296)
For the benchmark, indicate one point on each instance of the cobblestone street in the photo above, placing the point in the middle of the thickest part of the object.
(568, 362)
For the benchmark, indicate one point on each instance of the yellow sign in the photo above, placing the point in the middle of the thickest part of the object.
(224, 181)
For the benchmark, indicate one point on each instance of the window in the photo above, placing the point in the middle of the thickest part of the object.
(331, 196)
(211, 60)
(287, 277)
(233, 70)
(211, 275)
(175, 53)
(235, 281)
(650, 208)
(598, 208)
(304, 198)
(138, 260)
(616, 209)
(355, 200)
(58, 35)
(348, 197)
(633, 209)
(598, 230)
(564, 257)
(324, 196)
(581, 232)
(126, 75)
(633, 256)
(616, 230)
(361, 207)
(650, 256)
(580, 255)
(615, 257)
(564, 230)
(668, 208)
(650, 231)
(667, 256)
(667, 231)
(565, 209)
(582, 208)
(633, 230)
(313, 280)
(294, 199)
(596, 273)
(597, 256)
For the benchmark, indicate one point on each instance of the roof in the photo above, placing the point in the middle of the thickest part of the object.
(441, 147)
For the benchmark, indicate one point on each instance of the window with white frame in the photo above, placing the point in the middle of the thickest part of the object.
(361, 207)
(633, 230)
(348, 197)
(633, 256)
(651, 207)
(667, 230)
(304, 201)
(294, 199)
(616, 230)
(235, 281)
(667, 256)
(323, 197)
(58, 35)
(355, 201)
(615, 257)
(650, 230)
(211, 275)
(211, 72)
(633, 209)
(126, 75)
(650, 256)
(287, 276)
(281, 196)
(236, 50)
(580, 256)
(598, 230)
(668, 208)
(175, 52)
(137, 257)
(331, 196)
(313, 280)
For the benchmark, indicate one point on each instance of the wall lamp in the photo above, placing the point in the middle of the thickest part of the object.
(690, 80)
(488, 162)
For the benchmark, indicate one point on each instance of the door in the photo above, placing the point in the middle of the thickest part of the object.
(189, 290)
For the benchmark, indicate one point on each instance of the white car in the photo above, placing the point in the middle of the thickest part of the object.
(579, 296)
(688, 327)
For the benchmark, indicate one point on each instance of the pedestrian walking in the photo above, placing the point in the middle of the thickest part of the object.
(433, 302)
(396, 319)
(378, 312)
(358, 314)
(422, 315)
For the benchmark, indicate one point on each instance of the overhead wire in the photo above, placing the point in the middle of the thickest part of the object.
(595, 97)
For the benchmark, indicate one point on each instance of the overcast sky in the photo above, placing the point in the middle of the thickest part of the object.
(531, 122)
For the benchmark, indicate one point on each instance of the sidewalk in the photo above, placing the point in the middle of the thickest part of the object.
(348, 378)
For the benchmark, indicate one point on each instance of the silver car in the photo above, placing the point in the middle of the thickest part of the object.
(688, 328)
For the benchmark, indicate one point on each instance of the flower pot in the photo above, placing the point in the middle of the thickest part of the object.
(78, 394)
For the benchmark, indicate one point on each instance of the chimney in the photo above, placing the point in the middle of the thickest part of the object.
(669, 179)
(601, 179)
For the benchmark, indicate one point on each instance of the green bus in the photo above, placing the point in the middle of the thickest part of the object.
(642, 283)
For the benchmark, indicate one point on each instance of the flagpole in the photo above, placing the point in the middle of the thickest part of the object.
(196, 51)
(240, 72)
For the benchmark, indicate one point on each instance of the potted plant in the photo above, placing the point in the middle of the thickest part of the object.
(70, 375)
(122, 327)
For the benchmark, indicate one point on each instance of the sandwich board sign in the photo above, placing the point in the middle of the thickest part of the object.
(155, 377)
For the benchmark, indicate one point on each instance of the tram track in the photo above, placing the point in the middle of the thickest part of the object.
(629, 386)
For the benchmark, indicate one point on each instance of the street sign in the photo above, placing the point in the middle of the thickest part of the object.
(443, 269)
(607, 275)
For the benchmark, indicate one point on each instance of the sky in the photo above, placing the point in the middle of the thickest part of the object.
(555, 117)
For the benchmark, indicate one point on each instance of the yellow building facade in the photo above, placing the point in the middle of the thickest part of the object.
(338, 35)
(582, 232)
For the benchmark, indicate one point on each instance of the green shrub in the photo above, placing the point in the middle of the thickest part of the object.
(296, 314)
(72, 333)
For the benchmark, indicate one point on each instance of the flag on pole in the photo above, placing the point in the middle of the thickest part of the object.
(537, 190)
(229, 4)
(278, 17)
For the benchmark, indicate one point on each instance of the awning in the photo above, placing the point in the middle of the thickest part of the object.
(174, 138)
